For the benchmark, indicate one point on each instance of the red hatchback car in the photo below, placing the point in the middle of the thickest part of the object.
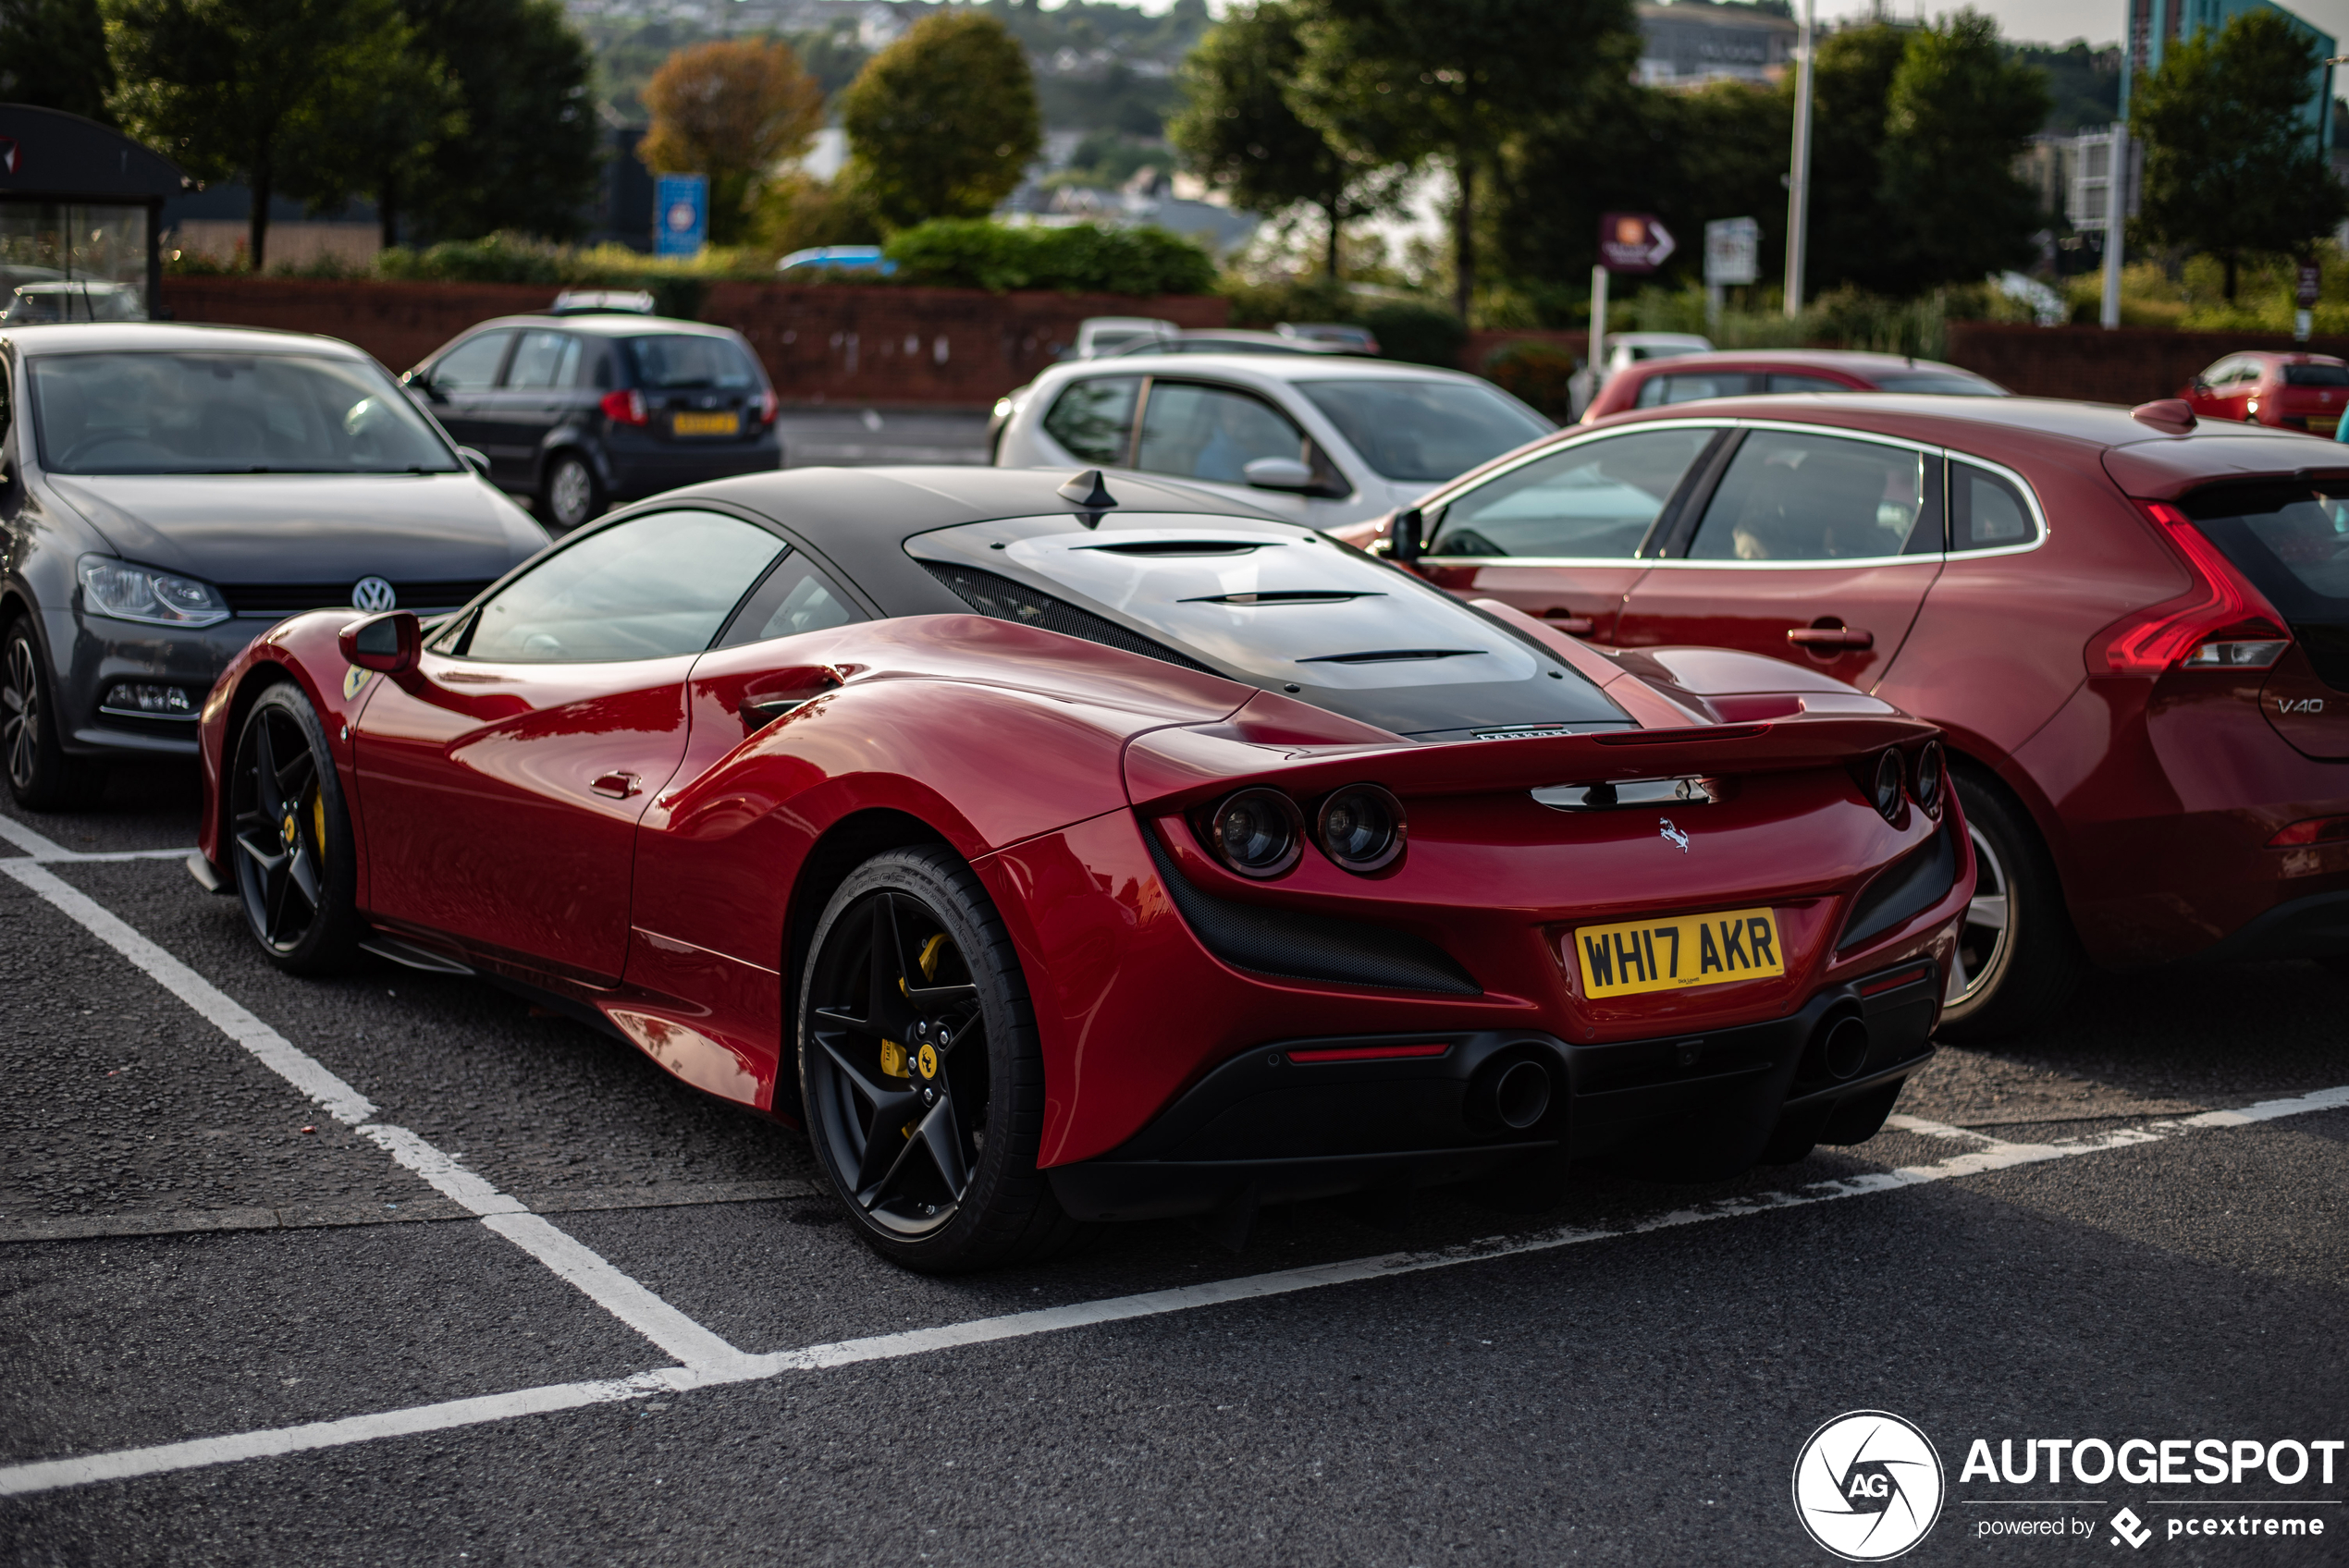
(1742, 372)
(2134, 631)
(2294, 391)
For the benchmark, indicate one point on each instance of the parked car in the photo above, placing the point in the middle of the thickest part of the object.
(1097, 336)
(1228, 340)
(1353, 339)
(838, 258)
(1064, 849)
(579, 411)
(1625, 350)
(1742, 372)
(75, 300)
(2291, 391)
(166, 491)
(1321, 440)
(2135, 630)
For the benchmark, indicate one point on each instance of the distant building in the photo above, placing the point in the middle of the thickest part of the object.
(2154, 25)
(1690, 43)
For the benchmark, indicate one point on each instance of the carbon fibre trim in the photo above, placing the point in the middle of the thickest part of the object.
(1295, 945)
(1911, 884)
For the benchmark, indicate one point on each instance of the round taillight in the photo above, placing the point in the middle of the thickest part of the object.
(1932, 770)
(1361, 828)
(1887, 786)
(1257, 833)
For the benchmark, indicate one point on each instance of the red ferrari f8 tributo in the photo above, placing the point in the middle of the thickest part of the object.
(1057, 856)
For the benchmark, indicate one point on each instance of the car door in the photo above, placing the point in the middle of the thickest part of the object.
(531, 399)
(461, 387)
(1811, 546)
(1559, 534)
(501, 782)
(1207, 435)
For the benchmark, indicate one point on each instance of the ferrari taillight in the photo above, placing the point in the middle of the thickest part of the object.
(2221, 622)
(625, 406)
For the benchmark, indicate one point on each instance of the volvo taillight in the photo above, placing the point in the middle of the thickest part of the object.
(2222, 622)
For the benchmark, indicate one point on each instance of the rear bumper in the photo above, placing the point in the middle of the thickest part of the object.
(1282, 1124)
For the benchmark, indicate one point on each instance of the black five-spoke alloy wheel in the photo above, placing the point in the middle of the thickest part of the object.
(289, 837)
(919, 1069)
(41, 776)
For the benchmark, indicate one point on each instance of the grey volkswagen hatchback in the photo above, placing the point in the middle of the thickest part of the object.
(169, 492)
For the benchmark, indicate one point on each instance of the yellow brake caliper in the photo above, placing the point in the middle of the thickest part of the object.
(894, 1060)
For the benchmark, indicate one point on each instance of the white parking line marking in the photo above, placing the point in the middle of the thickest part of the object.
(614, 1292)
(49, 1475)
(42, 848)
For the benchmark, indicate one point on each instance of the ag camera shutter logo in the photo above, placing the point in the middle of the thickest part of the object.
(1867, 1486)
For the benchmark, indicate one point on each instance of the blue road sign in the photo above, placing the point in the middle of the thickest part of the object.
(681, 215)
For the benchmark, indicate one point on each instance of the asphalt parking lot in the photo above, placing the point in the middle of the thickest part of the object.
(393, 1269)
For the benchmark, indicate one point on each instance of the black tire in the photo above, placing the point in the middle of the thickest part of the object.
(289, 843)
(42, 777)
(937, 1175)
(2019, 956)
(572, 495)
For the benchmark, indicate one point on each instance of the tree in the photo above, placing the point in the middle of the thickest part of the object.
(530, 150)
(1399, 81)
(941, 123)
(1957, 116)
(52, 55)
(223, 84)
(730, 111)
(1851, 81)
(1237, 128)
(374, 136)
(2232, 168)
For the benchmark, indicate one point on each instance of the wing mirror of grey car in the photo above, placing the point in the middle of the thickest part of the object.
(392, 642)
(421, 381)
(475, 460)
(1279, 473)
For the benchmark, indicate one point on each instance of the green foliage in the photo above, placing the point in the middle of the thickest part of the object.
(52, 55)
(1417, 332)
(964, 253)
(2083, 84)
(530, 154)
(942, 121)
(797, 211)
(730, 112)
(1107, 159)
(1536, 372)
(1266, 303)
(1957, 116)
(496, 258)
(2229, 167)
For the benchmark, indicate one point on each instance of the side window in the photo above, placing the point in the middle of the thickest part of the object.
(1659, 390)
(1094, 418)
(1781, 381)
(1798, 497)
(1985, 511)
(646, 588)
(793, 597)
(1595, 498)
(1198, 432)
(543, 359)
(471, 366)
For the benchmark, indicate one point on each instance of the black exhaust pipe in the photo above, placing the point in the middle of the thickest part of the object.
(1516, 1097)
(1838, 1048)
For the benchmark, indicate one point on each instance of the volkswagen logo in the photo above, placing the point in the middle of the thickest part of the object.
(373, 594)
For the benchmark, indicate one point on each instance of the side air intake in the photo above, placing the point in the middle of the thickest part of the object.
(1910, 886)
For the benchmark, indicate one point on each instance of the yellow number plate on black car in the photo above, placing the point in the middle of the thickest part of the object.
(1677, 951)
(708, 425)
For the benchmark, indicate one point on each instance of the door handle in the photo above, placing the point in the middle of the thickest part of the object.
(618, 785)
(1565, 621)
(1827, 639)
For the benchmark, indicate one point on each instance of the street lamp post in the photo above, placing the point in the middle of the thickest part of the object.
(1798, 179)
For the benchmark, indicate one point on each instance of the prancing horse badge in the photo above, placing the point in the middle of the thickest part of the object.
(1671, 834)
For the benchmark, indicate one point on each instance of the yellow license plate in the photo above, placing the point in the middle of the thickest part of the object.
(2322, 427)
(706, 424)
(1677, 951)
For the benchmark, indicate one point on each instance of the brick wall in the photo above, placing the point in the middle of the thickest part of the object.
(1483, 344)
(2129, 364)
(889, 347)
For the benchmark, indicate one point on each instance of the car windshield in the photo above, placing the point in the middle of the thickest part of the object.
(1424, 432)
(2316, 376)
(675, 360)
(1277, 606)
(1947, 382)
(149, 411)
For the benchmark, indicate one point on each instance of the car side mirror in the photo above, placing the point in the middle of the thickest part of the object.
(392, 642)
(475, 460)
(1404, 543)
(1279, 473)
(421, 381)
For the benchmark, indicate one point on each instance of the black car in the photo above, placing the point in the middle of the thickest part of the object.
(580, 411)
(168, 493)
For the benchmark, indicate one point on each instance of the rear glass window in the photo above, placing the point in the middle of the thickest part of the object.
(1786, 381)
(675, 360)
(1281, 608)
(1657, 391)
(2316, 376)
(1424, 432)
(2292, 543)
(1939, 381)
(1985, 511)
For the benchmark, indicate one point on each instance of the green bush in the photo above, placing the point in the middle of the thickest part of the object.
(977, 253)
(496, 258)
(1417, 334)
(1536, 373)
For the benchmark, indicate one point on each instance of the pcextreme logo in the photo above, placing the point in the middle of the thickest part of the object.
(1867, 1486)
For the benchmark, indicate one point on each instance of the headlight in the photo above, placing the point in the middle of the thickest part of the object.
(1361, 828)
(1932, 769)
(138, 593)
(1256, 832)
(1887, 786)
